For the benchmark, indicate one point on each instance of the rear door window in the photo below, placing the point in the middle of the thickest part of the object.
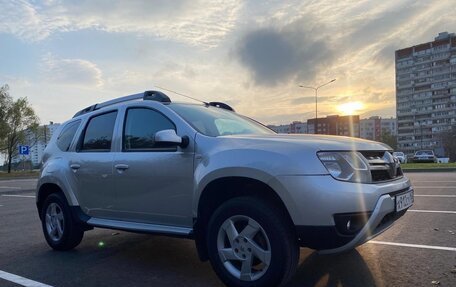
(98, 133)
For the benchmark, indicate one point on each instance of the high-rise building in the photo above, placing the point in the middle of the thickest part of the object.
(335, 125)
(426, 93)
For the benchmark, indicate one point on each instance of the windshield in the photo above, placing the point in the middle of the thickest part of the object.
(424, 152)
(216, 122)
(398, 153)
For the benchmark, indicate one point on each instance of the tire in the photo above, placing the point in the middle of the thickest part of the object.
(261, 230)
(59, 229)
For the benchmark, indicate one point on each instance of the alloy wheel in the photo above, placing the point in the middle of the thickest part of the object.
(243, 247)
(54, 221)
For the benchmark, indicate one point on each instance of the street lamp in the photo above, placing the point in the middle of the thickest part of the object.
(316, 96)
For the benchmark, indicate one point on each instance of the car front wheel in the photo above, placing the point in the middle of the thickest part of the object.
(251, 243)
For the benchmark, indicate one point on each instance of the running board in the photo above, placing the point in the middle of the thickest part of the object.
(141, 227)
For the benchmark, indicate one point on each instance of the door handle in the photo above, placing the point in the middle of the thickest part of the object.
(121, 166)
(75, 166)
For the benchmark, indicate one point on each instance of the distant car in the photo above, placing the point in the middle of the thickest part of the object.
(400, 156)
(424, 156)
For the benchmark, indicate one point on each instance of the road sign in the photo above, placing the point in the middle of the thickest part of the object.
(24, 149)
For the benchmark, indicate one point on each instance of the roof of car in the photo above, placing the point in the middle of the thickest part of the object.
(156, 96)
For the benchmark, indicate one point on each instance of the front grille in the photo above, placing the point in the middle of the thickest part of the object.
(383, 165)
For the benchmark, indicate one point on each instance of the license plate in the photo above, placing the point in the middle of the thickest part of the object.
(404, 200)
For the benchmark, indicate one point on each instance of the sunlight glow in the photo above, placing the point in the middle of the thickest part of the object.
(350, 108)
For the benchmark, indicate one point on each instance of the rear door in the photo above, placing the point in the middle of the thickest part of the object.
(92, 166)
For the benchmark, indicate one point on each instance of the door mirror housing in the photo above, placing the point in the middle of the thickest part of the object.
(170, 138)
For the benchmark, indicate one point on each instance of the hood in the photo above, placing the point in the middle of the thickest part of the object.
(317, 142)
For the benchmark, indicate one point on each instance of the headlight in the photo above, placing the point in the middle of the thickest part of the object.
(346, 166)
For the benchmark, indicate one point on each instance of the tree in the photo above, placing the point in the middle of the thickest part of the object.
(448, 139)
(5, 99)
(16, 118)
(389, 139)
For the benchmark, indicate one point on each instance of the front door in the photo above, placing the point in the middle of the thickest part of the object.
(154, 182)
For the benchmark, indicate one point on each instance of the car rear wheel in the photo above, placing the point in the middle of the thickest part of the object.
(58, 226)
(250, 243)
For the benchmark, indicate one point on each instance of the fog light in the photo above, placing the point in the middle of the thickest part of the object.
(351, 223)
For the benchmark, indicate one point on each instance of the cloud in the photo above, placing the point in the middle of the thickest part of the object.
(378, 96)
(71, 72)
(378, 25)
(186, 46)
(27, 22)
(277, 55)
(190, 22)
(385, 56)
(308, 100)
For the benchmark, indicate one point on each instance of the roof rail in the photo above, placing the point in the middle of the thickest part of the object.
(147, 95)
(221, 106)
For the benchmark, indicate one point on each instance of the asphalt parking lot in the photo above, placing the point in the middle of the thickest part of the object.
(419, 250)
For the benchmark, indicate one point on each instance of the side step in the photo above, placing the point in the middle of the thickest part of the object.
(141, 227)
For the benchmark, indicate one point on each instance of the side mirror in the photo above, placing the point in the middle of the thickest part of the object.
(170, 138)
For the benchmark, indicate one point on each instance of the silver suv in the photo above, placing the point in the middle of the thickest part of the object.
(248, 197)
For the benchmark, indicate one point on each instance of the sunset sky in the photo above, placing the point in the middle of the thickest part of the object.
(66, 55)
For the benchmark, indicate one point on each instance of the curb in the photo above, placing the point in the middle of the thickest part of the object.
(18, 177)
(437, 169)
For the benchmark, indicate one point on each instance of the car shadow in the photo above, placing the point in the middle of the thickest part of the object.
(345, 269)
(127, 259)
(124, 259)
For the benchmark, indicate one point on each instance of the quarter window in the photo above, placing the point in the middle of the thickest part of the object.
(98, 134)
(66, 136)
(140, 128)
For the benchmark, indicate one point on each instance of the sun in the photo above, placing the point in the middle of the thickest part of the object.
(350, 108)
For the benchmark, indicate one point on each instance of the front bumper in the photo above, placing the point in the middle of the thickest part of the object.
(317, 200)
(328, 240)
(421, 159)
(313, 200)
(382, 218)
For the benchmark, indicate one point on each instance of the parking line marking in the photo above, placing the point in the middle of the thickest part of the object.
(434, 195)
(448, 187)
(433, 181)
(432, 211)
(10, 187)
(21, 280)
(414, 245)
(15, 195)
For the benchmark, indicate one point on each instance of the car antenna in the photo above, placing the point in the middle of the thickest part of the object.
(180, 94)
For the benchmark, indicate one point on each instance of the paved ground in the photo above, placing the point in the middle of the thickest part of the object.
(128, 259)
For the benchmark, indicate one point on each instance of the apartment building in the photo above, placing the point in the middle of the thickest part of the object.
(295, 127)
(335, 125)
(37, 144)
(373, 127)
(426, 93)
